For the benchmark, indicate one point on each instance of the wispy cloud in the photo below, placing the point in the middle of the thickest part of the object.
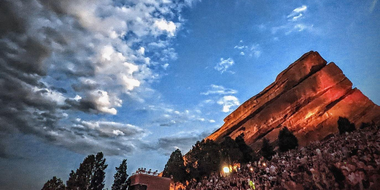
(224, 64)
(297, 13)
(252, 50)
(220, 90)
(294, 23)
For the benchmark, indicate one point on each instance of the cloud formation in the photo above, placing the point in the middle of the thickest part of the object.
(228, 102)
(66, 58)
(252, 50)
(297, 13)
(224, 64)
(217, 89)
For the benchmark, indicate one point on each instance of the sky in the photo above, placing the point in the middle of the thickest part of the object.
(137, 79)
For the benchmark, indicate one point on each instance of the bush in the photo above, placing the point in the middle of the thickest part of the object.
(286, 140)
(344, 125)
(267, 150)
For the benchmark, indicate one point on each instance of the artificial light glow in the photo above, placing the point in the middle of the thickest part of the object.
(264, 164)
(226, 170)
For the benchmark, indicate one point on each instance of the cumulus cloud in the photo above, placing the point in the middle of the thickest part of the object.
(217, 89)
(224, 64)
(228, 102)
(64, 58)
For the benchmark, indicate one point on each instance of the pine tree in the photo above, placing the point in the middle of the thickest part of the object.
(120, 177)
(81, 179)
(98, 174)
(54, 184)
(267, 150)
(175, 167)
(71, 182)
(286, 140)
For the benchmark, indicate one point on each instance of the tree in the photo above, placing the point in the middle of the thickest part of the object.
(175, 167)
(230, 151)
(286, 140)
(120, 177)
(267, 150)
(90, 174)
(344, 125)
(54, 184)
(98, 174)
(81, 179)
(247, 151)
(203, 159)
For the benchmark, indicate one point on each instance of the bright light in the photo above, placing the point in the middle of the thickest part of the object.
(251, 169)
(226, 170)
(264, 164)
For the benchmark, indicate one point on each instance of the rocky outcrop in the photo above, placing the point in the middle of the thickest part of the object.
(308, 97)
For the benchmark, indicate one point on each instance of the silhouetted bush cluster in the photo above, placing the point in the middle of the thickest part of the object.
(344, 125)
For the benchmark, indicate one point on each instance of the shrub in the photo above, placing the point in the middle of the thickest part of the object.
(286, 140)
(344, 125)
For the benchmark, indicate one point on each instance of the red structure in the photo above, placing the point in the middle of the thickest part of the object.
(141, 181)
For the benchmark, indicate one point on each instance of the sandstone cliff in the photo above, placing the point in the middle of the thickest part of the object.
(308, 97)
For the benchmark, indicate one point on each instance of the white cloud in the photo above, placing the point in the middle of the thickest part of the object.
(220, 90)
(224, 64)
(167, 26)
(254, 50)
(297, 13)
(228, 102)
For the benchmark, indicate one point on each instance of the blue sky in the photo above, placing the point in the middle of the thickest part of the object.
(138, 79)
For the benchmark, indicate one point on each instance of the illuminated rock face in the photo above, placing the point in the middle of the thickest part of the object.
(308, 97)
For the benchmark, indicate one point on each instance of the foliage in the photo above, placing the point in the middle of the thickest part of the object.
(230, 151)
(344, 125)
(286, 140)
(120, 177)
(90, 174)
(203, 159)
(175, 167)
(54, 184)
(98, 174)
(267, 150)
(247, 151)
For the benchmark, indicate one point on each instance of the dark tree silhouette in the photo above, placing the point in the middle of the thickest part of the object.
(120, 177)
(98, 174)
(267, 150)
(247, 151)
(175, 167)
(54, 184)
(90, 174)
(344, 125)
(81, 179)
(230, 151)
(286, 140)
(203, 159)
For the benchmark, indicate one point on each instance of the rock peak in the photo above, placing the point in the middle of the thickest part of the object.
(308, 97)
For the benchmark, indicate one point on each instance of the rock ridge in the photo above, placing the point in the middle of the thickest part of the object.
(308, 97)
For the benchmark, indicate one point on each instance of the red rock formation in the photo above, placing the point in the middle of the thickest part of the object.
(308, 97)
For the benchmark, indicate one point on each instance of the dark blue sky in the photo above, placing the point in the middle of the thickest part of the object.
(138, 79)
